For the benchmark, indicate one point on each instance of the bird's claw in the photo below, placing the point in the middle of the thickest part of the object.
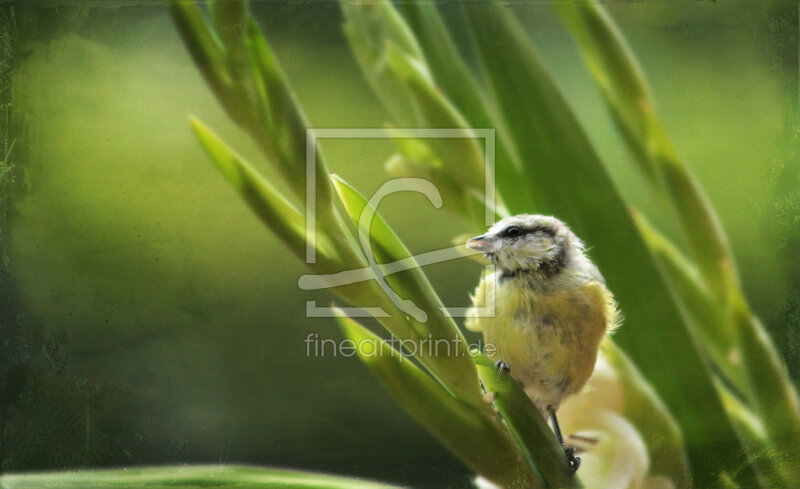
(574, 462)
(502, 368)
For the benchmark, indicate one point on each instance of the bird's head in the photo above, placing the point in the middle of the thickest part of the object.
(526, 243)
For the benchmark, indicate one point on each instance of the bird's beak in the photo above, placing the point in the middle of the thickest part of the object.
(485, 243)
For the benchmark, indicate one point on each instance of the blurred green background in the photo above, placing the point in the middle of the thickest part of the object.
(147, 316)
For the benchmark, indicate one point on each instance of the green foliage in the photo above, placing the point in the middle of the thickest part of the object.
(701, 381)
(707, 287)
(470, 434)
(570, 181)
(452, 75)
(449, 402)
(185, 477)
(376, 235)
(623, 88)
(527, 427)
(647, 412)
(395, 67)
(275, 211)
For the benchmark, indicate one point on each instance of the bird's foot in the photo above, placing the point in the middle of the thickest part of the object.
(502, 368)
(574, 462)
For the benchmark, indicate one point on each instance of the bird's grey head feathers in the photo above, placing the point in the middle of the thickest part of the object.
(529, 243)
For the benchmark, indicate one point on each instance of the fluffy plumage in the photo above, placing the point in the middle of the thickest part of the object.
(545, 306)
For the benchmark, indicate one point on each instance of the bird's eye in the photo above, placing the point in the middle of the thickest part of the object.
(513, 232)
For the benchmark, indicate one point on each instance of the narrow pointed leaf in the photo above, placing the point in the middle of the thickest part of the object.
(454, 80)
(185, 477)
(461, 157)
(647, 412)
(708, 320)
(478, 441)
(529, 429)
(204, 47)
(268, 204)
(572, 183)
(772, 393)
(624, 89)
(229, 18)
(701, 227)
(385, 244)
(370, 28)
(751, 431)
(445, 62)
(401, 77)
(453, 367)
(282, 128)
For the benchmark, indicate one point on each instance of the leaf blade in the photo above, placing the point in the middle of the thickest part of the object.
(186, 477)
(624, 89)
(458, 83)
(456, 371)
(573, 184)
(477, 441)
(274, 210)
(536, 441)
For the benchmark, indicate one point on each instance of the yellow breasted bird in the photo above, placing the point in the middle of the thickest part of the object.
(545, 308)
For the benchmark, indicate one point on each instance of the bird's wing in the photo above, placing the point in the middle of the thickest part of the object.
(604, 303)
(481, 299)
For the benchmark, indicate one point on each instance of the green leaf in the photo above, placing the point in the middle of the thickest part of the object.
(454, 80)
(536, 441)
(400, 166)
(268, 204)
(572, 183)
(625, 92)
(185, 477)
(701, 227)
(462, 157)
(205, 48)
(454, 370)
(770, 390)
(229, 18)
(624, 89)
(479, 441)
(401, 78)
(370, 28)
(751, 431)
(444, 61)
(380, 244)
(708, 320)
(647, 412)
(378, 238)
(614, 69)
(281, 128)
(239, 66)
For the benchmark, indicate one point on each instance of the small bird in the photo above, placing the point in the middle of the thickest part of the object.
(544, 308)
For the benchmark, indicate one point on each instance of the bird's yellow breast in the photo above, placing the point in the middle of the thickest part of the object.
(549, 337)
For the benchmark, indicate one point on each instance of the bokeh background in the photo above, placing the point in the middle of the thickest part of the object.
(148, 318)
